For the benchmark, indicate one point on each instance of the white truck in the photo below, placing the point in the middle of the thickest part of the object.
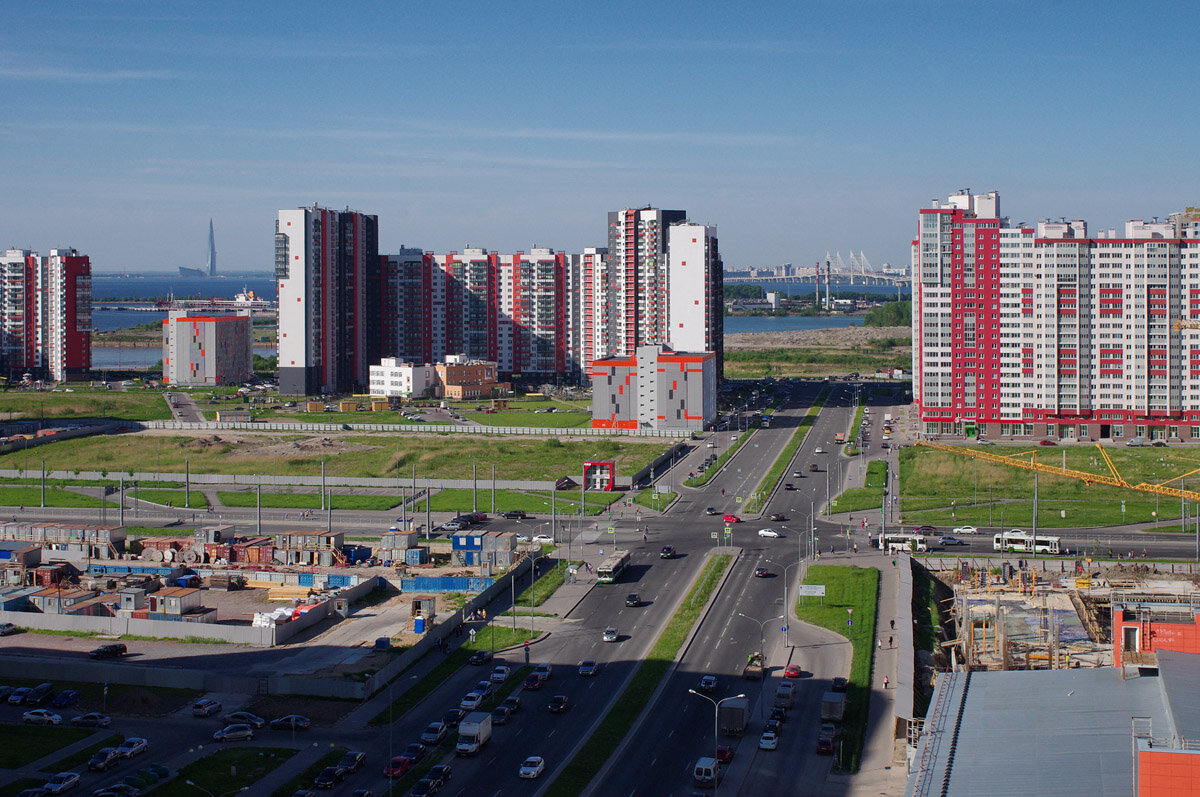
(887, 417)
(474, 731)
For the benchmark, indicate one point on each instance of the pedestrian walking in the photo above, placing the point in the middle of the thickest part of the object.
(856, 547)
(879, 644)
(893, 625)
(885, 682)
(889, 641)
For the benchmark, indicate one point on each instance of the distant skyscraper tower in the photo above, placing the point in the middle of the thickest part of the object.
(212, 251)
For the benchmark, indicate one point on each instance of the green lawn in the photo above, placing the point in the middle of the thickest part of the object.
(305, 779)
(212, 773)
(368, 455)
(870, 495)
(196, 499)
(848, 588)
(541, 590)
(32, 496)
(616, 724)
(245, 498)
(548, 420)
(37, 741)
(652, 499)
(981, 491)
(130, 405)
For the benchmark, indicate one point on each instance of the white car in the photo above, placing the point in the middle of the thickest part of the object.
(522, 538)
(818, 450)
(61, 782)
(532, 767)
(41, 716)
(543, 539)
(610, 634)
(769, 533)
(500, 673)
(132, 746)
(966, 530)
(768, 741)
(472, 701)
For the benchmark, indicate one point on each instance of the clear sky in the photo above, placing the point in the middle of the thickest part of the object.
(795, 127)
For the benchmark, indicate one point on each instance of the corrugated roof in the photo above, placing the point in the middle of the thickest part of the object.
(1180, 675)
(1062, 732)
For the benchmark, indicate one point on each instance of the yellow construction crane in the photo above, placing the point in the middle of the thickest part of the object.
(1027, 460)
(1185, 323)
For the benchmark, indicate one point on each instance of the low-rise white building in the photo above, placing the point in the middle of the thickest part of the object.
(395, 378)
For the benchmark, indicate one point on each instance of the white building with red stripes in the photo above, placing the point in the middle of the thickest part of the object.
(1049, 331)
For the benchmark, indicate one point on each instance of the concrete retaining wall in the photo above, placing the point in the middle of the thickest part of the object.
(116, 626)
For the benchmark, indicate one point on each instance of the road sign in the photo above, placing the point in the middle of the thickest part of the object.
(849, 622)
(728, 534)
(714, 535)
(811, 591)
(738, 499)
(472, 633)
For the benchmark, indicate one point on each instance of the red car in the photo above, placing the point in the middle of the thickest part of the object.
(724, 754)
(533, 682)
(792, 671)
(397, 767)
(1047, 443)
(825, 745)
(731, 519)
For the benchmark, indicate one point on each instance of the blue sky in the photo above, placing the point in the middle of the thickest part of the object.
(796, 128)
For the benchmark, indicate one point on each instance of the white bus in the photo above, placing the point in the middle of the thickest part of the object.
(1018, 541)
(610, 569)
(903, 541)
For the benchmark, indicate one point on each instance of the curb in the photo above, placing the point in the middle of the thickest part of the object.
(597, 781)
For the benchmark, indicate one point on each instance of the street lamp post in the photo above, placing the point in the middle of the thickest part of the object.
(787, 611)
(532, 588)
(762, 645)
(716, 721)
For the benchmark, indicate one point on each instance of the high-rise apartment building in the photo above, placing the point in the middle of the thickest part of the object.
(659, 283)
(206, 349)
(327, 266)
(46, 313)
(1049, 331)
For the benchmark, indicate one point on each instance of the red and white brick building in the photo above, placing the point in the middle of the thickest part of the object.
(1048, 331)
(46, 313)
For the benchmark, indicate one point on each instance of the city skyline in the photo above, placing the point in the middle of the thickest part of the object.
(788, 128)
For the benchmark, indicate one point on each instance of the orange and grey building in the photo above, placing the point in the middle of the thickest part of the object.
(656, 388)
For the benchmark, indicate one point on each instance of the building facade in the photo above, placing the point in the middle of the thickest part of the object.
(1047, 330)
(655, 389)
(46, 314)
(327, 268)
(206, 349)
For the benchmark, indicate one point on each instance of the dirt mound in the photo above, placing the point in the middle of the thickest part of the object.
(842, 337)
(307, 447)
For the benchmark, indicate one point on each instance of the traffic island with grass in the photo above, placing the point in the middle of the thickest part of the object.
(850, 593)
(225, 771)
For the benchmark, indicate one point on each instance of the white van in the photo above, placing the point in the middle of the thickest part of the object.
(706, 773)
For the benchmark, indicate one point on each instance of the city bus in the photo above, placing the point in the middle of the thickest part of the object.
(610, 569)
(903, 541)
(1018, 541)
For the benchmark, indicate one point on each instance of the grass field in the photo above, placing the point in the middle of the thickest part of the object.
(196, 499)
(131, 405)
(37, 741)
(865, 358)
(940, 488)
(213, 773)
(540, 591)
(870, 495)
(305, 779)
(617, 723)
(548, 420)
(378, 455)
(651, 499)
(245, 498)
(847, 588)
(32, 496)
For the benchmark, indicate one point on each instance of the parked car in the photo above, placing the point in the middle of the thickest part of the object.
(61, 782)
(93, 719)
(487, 687)
(480, 657)
(724, 753)
(6, 629)
(512, 702)
(295, 722)
(329, 777)
(515, 514)
(500, 673)
(205, 707)
(39, 694)
(472, 701)
(1047, 442)
(452, 717)
(114, 650)
(397, 767)
(245, 718)
(132, 746)
(65, 698)
(414, 752)
(41, 716)
(234, 733)
(103, 758)
(440, 774)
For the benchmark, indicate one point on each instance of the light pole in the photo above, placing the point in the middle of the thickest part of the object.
(787, 611)
(762, 644)
(532, 588)
(716, 720)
